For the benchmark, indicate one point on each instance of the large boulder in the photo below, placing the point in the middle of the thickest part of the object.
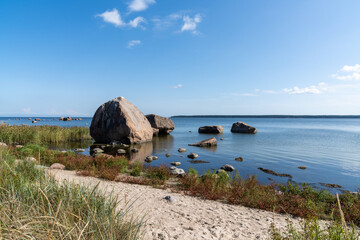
(163, 124)
(211, 129)
(241, 127)
(120, 120)
(210, 142)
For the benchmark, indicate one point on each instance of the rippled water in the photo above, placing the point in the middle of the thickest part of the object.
(328, 147)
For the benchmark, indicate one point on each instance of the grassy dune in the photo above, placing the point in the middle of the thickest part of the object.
(42, 134)
(34, 206)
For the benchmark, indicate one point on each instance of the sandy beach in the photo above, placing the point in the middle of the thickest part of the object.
(186, 217)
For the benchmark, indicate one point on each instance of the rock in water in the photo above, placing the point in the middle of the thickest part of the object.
(228, 168)
(119, 120)
(241, 127)
(210, 142)
(211, 129)
(163, 124)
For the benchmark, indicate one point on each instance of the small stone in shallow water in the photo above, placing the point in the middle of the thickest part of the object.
(181, 150)
(302, 167)
(239, 159)
(176, 163)
(79, 150)
(228, 168)
(193, 155)
(121, 151)
(168, 155)
(134, 150)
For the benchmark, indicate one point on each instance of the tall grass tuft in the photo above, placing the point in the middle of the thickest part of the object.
(34, 206)
(42, 134)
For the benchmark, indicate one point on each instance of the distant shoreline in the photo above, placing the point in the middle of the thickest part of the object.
(266, 116)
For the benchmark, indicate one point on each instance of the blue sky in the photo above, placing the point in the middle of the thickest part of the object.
(172, 57)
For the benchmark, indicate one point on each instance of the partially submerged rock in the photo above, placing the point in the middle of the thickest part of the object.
(177, 171)
(193, 155)
(329, 185)
(121, 151)
(164, 125)
(268, 171)
(198, 161)
(241, 127)
(239, 159)
(168, 155)
(120, 120)
(211, 129)
(302, 167)
(227, 167)
(79, 150)
(181, 150)
(134, 150)
(210, 142)
(176, 163)
(149, 159)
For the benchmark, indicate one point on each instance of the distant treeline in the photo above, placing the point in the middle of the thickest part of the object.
(266, 116)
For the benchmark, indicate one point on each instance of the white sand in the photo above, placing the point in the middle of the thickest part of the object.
(187, 217)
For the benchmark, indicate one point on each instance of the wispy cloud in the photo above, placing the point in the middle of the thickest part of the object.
(177, 86)
(348, 73)
(114, 17)
(133, 43)
(166, 22)
(136, 22)
(190, 24)
(314, 89)
(140, 5)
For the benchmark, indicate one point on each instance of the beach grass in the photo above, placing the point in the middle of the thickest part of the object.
(44, 134)
(297, 200)
(34, 206)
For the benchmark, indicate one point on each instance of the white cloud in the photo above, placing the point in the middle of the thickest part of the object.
(136, 22)
(133, 43)
(348, 68)
(112, 17)
(190, 24)
(348, 73)
(140, 5)
(26, 110)
(177, 86)
(314, 89)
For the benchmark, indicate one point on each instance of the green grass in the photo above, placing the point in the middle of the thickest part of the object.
(311, 229)
(42, 134)
(34, 206)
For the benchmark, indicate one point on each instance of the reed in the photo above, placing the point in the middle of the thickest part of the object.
(34, 206)
(44, 134)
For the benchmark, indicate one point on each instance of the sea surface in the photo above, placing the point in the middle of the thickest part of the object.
(328, 147)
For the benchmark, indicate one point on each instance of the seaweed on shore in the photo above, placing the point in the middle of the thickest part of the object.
(268, 171)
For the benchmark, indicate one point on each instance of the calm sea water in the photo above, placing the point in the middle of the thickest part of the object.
(328, 147)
